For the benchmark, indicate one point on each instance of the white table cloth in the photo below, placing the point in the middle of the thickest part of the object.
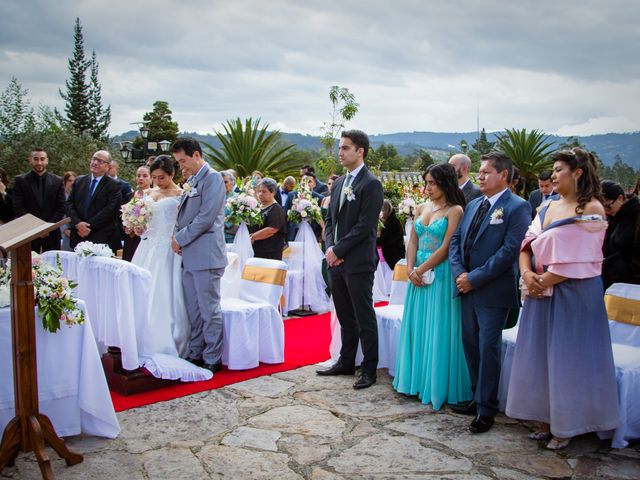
(72, 388)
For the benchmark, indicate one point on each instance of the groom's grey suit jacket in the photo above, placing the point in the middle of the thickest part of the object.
(200, 223)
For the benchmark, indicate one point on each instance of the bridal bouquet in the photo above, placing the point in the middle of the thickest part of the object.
(136, 216)
(407, 208)
(90, 249)
(52, 294)
(243, 208)
(305, 207)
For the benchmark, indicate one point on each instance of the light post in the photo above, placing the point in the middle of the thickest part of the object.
(137, 155)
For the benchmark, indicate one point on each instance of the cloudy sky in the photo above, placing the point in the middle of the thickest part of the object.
(570, 67)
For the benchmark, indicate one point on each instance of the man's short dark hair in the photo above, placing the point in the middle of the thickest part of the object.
(308, 169)
(544, 175)
(359, 139)
(500, 162)
(188, 145)
(312, 175)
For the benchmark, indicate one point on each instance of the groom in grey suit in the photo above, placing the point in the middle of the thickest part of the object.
(199, 238)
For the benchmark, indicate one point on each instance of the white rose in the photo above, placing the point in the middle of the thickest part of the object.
(303, 213)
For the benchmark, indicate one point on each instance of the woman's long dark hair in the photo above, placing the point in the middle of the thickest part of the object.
(588, 185)
(445, 177)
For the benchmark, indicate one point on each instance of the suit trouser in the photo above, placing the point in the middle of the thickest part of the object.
(482, 341)
(353, 299)
(47, 243)
(202, 300)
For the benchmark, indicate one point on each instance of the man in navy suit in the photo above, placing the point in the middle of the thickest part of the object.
(350, 233)
(543, 193)
(484, 262)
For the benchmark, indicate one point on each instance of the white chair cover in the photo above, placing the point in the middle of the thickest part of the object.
(253, 328)
(230, 281)
(624, 333)
(398, 283)
(241, 245)
(382, 282)
(408, 225)
(72, 388)
(308, 287)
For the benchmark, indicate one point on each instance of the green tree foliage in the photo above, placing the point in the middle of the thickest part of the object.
(16, 115)
(529, 152)
(344, 108)
(621, 173)
(83, 100)
(160, 124)
(248, 146)
(421, 160)
(100, 116)
(385, 158)
(482, 145)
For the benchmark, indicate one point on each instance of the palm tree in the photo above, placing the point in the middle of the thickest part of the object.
(529, 152)
(249, 147)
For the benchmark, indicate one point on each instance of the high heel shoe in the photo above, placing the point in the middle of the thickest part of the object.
(539, 435)
(558, 443)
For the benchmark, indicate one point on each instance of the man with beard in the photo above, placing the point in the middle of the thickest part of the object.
(462, 165)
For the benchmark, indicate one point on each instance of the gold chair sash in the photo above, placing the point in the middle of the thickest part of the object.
(275, 276)
(400, 273)
(622, 309)
(286, 253)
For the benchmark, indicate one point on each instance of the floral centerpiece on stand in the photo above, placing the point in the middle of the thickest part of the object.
(243, 207)
(90, 249)
(52, 294)
(305, 207)
(136, 216)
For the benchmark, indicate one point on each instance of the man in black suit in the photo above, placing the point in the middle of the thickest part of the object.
(41, 194)
(321, 188)
(350, 234)
(462, 164)
(127, 193)
(94, 203)
(542, 194)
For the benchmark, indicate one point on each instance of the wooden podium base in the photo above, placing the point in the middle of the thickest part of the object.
(129, 382)
(39, 431)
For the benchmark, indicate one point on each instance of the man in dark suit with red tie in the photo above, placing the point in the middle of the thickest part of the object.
(94, 203)
(41, 194)
(350, 234)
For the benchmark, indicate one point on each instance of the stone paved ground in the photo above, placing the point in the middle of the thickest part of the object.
(296, 425)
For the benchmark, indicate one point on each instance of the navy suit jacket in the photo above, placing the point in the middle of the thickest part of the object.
(494, 254)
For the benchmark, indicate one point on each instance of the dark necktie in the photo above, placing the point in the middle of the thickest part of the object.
(41, 189)
(473, 230)
(87, 201)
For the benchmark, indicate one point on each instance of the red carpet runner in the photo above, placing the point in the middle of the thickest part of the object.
(306, 341)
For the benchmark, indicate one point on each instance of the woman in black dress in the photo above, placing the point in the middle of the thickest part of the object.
(391, 238)
(269, 239)
(621, 248)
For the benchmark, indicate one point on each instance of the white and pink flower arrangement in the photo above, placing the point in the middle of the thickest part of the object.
(136, 216)
(304, 208)
(52, 294)
(90, 249)
(243, 207)
(407, 208)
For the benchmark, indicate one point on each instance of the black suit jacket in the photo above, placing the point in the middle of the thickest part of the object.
(356, 222)
(50, 207)
(535, 200)
(103, 211)
(391, 240)
(470, 191)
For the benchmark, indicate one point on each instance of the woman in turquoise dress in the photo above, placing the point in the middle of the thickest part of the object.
(430, 360)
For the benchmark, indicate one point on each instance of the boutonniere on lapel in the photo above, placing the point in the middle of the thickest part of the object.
(348, 192)
(189, 190)
(497, 216)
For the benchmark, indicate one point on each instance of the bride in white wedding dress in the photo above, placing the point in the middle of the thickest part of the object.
(169, 322)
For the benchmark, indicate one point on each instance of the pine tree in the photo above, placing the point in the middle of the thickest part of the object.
(77, 96)
(100, 117)
(16, 114)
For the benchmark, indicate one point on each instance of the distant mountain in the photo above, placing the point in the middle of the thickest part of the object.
(607, 146)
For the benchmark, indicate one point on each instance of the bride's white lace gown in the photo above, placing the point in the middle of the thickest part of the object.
(167, 312)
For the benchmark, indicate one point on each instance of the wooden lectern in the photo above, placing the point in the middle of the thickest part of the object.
(29, 429)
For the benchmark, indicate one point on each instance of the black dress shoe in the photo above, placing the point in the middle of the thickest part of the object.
(213, 367)
(467, 408)
(365, 380)
(481, 424)
(198, 362)
(337, 369)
